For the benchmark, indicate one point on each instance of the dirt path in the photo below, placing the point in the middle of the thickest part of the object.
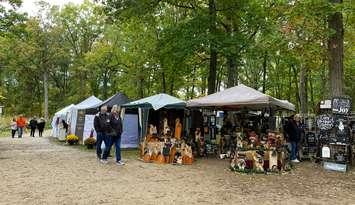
(37, 171)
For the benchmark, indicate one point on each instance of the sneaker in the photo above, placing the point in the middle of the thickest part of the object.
(103, 161)
(295, 161)
(120, 163)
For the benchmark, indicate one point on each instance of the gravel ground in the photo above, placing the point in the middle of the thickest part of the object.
(40, 171)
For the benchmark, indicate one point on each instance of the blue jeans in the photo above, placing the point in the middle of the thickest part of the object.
(99, 139)
(293, 150)
(108, 144)
(20, 132)
(117, 141)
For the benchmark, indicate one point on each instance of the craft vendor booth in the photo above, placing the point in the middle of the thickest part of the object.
(58, 130)
(129, 137)
(335, 130)
(242, 124)
(161, 122)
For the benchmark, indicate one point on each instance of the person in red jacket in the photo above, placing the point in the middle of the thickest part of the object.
(21, 123)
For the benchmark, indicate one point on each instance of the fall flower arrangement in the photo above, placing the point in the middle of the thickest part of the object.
(72, 139)
(90, 142)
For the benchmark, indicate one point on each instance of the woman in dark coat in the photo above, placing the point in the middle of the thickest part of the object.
(295, 131)
(33, 126)
(116, 124)
(40, 126)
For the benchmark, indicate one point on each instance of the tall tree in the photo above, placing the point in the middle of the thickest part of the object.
(336, 51)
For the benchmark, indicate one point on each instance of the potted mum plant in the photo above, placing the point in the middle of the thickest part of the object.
(91, 141)
(72, 139)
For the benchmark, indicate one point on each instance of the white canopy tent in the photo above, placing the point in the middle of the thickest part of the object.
(73, 115)
(58, 116)
(240, 96)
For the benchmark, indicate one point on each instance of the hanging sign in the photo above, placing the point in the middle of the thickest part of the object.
(325, 122)
(341, 105)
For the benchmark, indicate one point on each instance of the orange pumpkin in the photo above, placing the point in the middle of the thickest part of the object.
(154, 157)
(187, 160)
(146, 158)
(160, 159)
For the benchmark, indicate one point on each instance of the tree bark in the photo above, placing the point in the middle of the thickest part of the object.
(303, 90)
(104, 86)
(297, 96)
(163, 81)
(264, 71)
(231, 57)
(213, 50)
(335, 52)
(45, 86)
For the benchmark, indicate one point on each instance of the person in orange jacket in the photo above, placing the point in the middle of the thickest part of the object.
(21, 124)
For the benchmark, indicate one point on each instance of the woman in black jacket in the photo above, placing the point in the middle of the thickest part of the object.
(40, 126)
(116, 124)
(295, 131)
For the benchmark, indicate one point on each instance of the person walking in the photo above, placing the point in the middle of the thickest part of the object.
(13, 126)
(21, 124)
(102, 127)
(295, 131)
(116, 124)
(33, 126)
(40, 126)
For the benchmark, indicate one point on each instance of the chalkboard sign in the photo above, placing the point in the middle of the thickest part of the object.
(342, 127)
(325, 122)
(341, 105)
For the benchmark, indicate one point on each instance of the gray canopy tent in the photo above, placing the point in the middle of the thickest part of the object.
(154, 102)
(239, 97)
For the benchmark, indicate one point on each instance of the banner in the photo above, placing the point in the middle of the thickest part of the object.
(129, 138)
(88, 127)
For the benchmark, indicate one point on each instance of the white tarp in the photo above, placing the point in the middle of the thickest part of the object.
(157, 101)
(73, 115)
(238, 97)
(58, 117)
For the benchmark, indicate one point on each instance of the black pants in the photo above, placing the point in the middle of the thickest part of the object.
(40, 132)
(33, 130)
(13, 132)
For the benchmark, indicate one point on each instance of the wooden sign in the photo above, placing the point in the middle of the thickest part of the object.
(341, 105)
(325, 122)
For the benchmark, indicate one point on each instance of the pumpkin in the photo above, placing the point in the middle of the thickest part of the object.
(187, 160)
(154, 157)
(160, 159)
(146, 158)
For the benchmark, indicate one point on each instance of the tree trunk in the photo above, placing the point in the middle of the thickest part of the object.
(163, 81)
(213, 50)
(311, 89)
(104, 86)
(264, 72)
(335, 52)
(45, 86)
(303, 90)
(297, 96)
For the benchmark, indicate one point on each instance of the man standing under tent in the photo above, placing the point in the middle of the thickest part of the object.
(102, 127)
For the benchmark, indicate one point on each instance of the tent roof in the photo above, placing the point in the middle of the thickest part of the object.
(117, 99)
(157, 101)
(238, 97)
(88, 102)
(65, 110)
